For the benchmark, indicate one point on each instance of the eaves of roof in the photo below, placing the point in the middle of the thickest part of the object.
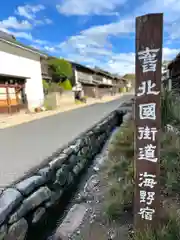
(24, 47)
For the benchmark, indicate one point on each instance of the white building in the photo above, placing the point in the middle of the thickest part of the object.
(20, 75)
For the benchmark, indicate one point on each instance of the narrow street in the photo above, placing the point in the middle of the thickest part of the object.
(27, 145)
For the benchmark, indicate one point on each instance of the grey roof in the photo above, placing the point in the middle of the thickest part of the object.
(7, 36)
(11, 39)
(74, 64)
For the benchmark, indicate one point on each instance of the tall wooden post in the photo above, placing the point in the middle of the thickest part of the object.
(147, 120)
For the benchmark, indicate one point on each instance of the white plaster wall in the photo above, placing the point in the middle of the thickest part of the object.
(76, 76)
(18, 62)
(107, 81)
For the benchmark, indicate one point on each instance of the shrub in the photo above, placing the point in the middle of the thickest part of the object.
(66, 85)
(119, 170)
(45, 86)
(170, 163)
(166, 107)
(122, 90)
(168, 230)
(118, 173)
(123, 142)
(170, 108)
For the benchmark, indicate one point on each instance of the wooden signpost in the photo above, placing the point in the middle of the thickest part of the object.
(149, 32)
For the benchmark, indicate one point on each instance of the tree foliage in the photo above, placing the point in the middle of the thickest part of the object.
(130, 77)
(165, 62)
(60, 67)
(45, 85)
(66, 85)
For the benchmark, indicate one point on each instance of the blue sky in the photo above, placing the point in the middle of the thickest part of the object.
(91, 32)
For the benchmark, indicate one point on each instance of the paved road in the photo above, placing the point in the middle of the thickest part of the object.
(25, 146)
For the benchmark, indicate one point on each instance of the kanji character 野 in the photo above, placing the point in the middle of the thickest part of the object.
(146, 197)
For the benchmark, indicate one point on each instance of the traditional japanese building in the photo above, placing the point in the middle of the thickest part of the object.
(20, 75)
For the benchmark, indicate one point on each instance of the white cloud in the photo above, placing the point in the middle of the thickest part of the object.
(89, 7)
(35, 46)
(126, 25)
(116, 28)
(92, 53)
(44, 48)
(43, 21)
(169, 53)
(125, 62)
(23, 35)
(41, 42)
(49, 49)
(18, 28)
(29, 11)
(13, 23)
(37, 43)
(93, 45)
(120, 63)
(48, 21)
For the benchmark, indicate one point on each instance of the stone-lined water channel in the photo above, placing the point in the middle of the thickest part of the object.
(35, 205)
(80, 210)
(87, 182)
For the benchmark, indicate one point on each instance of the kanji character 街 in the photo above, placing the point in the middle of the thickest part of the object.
(149, 86)
(146, 197)
(146, 213)
(149, 59)
(147, 180)
(147, 133)
(147, 153)
(147, 111)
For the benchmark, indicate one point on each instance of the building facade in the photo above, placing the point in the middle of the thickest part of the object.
(95, 82)
(20, 76)
(174, 72)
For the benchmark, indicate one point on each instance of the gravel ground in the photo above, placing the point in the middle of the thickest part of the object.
(27, 145)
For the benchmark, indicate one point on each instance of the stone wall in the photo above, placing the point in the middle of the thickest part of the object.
(56, 99)
(25, 203)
